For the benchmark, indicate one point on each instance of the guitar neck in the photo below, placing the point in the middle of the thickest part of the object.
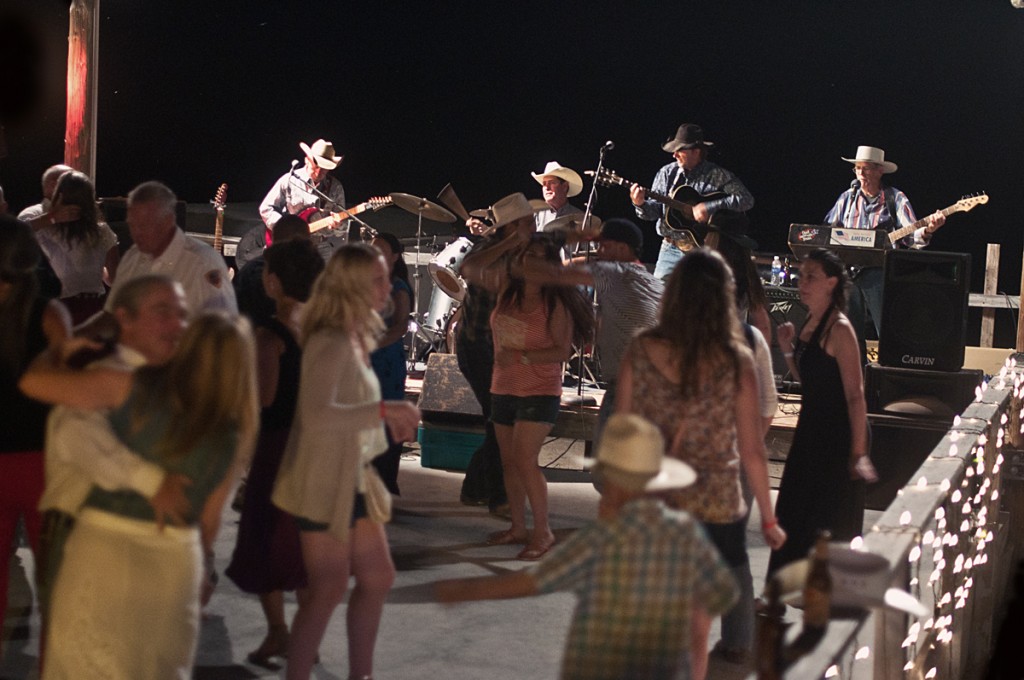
(218, 232)
(903, 232)
(329, 221)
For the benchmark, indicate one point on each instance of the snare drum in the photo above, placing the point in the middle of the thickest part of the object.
(444, 268)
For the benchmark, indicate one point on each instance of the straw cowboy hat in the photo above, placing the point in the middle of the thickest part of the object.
(511, 208)
(872, 154)
(556, 169)
(688, 136)
(632, 455)
(860, 580)
(323, 153)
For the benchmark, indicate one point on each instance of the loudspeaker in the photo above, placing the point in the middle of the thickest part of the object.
(898, 447)
(446, 392)
(924, 310)
(912, 393)
(783, 305)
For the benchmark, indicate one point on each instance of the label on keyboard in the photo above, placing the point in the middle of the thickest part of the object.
(854, 238)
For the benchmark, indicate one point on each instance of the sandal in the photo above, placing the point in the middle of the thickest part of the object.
(532, 554)
(505, 538)
(275, 644)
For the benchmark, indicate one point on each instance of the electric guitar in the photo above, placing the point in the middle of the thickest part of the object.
(319, 223)
(219, 205)
(963, 205)
(682, 230)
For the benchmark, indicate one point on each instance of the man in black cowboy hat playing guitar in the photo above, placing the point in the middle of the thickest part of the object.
(720, 190)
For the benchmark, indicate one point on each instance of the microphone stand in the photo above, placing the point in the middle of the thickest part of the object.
(591, 200)
(364, 228)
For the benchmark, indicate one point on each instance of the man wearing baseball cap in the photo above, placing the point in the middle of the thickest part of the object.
(627, 294)
(632, 618)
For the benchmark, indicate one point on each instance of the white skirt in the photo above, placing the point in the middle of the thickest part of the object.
(125, 603)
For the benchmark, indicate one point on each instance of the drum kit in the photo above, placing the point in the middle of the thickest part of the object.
(433, 330)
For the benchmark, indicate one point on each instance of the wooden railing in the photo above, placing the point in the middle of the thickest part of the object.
(948, 539)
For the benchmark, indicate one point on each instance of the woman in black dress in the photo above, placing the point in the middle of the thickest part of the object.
(267, 558)
(822, 484)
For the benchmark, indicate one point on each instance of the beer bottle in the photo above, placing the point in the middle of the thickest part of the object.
(770, 635)
(818, 587)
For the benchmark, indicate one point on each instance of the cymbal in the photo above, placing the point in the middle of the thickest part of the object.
(573, 222)
(538, 204)
(482, 213)
(421, 206)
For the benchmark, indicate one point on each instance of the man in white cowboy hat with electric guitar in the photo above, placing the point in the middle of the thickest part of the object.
(869, 204)
(310, 186)
(558, 185)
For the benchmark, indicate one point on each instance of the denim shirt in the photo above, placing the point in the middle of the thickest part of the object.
(706, 178)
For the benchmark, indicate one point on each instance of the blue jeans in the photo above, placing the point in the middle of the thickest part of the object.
(738, 622)
(866, 298)
(668, 258)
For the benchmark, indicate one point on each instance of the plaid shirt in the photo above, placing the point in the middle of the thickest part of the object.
(856, 210)
(706, 178)
(637, 578)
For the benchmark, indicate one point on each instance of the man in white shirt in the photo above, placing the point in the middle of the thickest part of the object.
(81, 449)
(161, 247)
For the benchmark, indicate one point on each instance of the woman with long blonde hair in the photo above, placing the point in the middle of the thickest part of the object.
(125, 603)
(327, 480)
(693, 376)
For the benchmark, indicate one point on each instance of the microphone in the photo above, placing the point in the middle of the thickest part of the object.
(608, 146)
(855, 184)
(295, 164)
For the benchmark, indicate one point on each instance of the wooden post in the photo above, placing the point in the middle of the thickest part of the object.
(1020, 312)
(80, 122)
(988, 315)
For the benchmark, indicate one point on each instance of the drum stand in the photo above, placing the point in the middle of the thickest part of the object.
(418, 206)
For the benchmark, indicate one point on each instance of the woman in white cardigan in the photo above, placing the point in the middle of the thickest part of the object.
(326, 478)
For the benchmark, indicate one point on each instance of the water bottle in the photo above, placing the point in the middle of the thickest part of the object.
(776, 271)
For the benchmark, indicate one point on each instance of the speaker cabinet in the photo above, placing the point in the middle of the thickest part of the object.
(446, 393)
(898, 447)
(783, 305)
(924, 310)
(925, 394)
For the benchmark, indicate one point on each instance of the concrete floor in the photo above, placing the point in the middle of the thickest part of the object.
(432, 537)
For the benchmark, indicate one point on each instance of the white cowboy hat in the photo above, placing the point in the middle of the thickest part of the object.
(511, 208)
(556, 169)
(860, 579)
(632, 455)
(872, 154)
(323, 153)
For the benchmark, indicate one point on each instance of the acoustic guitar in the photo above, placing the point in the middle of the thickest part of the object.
(681, 229)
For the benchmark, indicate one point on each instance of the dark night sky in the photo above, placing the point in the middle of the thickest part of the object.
(418, 94)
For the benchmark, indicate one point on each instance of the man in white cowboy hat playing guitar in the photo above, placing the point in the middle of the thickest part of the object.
(869, 204)
(558, 185)
(310, 186)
